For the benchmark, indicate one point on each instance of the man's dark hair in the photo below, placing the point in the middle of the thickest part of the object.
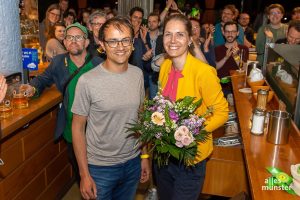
(66, 14)
(231, 23)
(296, 10)
(294, 24)
(134, 9)
(153, 15)
(119, 23)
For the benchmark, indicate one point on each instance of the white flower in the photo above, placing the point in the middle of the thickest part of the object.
(178, 135)
(158, 118)
(179, 144)
(181, 132)
(184, 129)
(187, 140)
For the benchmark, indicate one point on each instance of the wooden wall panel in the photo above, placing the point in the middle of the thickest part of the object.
(12, 158)
(16, 181)
(225, 171)
(38, 135)
(56, 166)
(56, 186)
(34, 188)
(225, 178)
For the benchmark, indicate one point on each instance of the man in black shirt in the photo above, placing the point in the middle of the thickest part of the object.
(244, 20)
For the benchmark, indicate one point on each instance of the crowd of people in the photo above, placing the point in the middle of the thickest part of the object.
(103, 64)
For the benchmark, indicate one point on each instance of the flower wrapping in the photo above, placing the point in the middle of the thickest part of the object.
(172, 128)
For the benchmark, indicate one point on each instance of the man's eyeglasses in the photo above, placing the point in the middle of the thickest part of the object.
(114, 43)
(230, 32)
(275, 13)
(56, 15)
(97, 24)
(76, 38)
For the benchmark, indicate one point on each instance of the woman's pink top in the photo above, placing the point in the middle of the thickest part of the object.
(171, 87)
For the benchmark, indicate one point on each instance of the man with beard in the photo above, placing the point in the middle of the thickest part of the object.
(64, 71)
(228, 15)
(228, 56)
(244, 20)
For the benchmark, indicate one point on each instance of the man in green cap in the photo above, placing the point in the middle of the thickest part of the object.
(64, 71)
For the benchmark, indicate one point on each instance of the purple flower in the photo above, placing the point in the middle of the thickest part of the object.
(153, 108)
(173, 115)
(196, 131)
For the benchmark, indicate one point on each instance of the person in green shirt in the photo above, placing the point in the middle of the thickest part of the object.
(64, 71)
(271, 32)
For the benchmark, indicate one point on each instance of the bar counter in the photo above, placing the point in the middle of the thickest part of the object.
(258, 153)
(35, 167)
(37, 106)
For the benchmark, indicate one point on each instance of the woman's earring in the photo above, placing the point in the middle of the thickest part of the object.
(133, 48)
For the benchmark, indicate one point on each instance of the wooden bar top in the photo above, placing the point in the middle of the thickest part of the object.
(49, 98)
(259, 153)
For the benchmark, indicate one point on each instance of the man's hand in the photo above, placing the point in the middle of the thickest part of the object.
(228, 53)
(268, 33)
(145, 173)
(235, 51)
(88, 188)
(148, 55)
(28, 89)
(143, 32)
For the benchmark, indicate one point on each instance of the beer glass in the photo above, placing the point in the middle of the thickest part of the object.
(20, 98)
(6, 106)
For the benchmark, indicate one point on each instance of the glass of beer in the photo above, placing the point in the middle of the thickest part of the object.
(20, 99)
(6, 106)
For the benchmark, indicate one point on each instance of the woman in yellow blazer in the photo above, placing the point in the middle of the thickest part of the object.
(182, 75)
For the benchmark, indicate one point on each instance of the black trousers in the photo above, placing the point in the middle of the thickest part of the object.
(73, 161)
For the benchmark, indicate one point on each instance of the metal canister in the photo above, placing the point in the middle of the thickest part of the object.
(258, 121)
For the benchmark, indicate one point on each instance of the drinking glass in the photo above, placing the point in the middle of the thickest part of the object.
(6, 106)
(241, 63)
(20, 97)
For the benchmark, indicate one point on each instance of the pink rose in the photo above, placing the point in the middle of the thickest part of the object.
(179, 144)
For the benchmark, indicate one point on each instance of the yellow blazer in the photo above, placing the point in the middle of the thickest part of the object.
(200, 80)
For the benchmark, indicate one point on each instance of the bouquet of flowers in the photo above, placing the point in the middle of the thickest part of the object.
(172, 128)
